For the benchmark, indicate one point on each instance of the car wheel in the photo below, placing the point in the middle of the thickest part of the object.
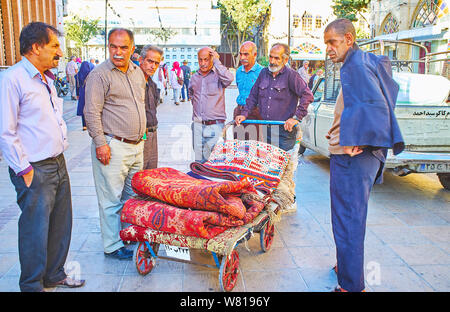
(444, 178)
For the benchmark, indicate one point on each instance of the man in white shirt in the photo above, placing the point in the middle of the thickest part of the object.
(33, 137)
(71, 71)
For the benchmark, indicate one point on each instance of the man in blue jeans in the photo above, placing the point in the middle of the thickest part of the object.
(186, 77)
(33, 137)
(364, 127)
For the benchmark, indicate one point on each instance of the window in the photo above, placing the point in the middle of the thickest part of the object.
(189, 49)
(390, 25)
(182, 49)
(174, 49)
(168, 56)
(295, 20)
(174, 56)
(427, 14)
(318, 22)
(182, 56)
(189, 56)
(307, 21)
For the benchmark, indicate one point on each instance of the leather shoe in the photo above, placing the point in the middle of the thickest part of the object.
(67, 282)
(121, 254)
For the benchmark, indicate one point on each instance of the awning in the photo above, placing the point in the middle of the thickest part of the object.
(435, 32)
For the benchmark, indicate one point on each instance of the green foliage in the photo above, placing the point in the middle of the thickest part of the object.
(349, 8)
(80, 30)
(263, 61)
(162, 34)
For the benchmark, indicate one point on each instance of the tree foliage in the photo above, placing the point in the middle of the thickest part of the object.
(242, 20)
(162, 34)
(80, 30)
(350, 9)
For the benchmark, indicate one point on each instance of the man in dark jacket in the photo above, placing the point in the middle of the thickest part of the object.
(149, 63)
(186, 77)
(364, 127)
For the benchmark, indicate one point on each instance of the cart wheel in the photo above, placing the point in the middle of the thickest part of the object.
(143, 258)
(229, 270)
(266, 236)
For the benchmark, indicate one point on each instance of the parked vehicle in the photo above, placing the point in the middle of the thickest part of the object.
(61, 85)
(422, 111)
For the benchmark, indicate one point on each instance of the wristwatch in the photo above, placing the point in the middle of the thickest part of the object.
(296, 118)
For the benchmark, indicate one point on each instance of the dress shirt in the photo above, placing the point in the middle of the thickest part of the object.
(31, 123)
(245, 81)
(115, 102)
(208, 93)
(151, 102)
(277, 97)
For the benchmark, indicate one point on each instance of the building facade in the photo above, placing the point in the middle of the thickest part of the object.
(15, 14)
(193, 24)
(425, 22)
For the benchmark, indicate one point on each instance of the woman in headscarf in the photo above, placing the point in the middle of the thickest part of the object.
(80, 78)
(176, 81)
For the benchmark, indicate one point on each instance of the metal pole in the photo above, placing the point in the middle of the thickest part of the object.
(289, 23)
(106, 25)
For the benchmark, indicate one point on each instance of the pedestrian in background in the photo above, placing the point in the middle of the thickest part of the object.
(160, 80)
(71, 71)
(186, 78)
(176, 81)
(304, 71)
(364, 127)
(316, 76)
(116, 121)
(80, 77)
(246, 76)
(33, 138)
(207, 94)
(149, 62)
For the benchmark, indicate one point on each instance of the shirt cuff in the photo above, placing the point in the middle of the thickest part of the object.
(23, 172)
(100, 140)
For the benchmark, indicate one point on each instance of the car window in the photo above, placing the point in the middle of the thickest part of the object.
(318, 90)
(332, 81)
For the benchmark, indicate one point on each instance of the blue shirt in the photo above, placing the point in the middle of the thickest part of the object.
(245, 81)
(31, 123)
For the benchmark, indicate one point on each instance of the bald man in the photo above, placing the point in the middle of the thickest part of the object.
(207, 94)
(246, 76)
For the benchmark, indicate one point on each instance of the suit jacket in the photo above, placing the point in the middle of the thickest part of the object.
(370, 95)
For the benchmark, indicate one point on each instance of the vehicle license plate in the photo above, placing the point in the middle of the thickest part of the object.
(438, 167)
(178, 252)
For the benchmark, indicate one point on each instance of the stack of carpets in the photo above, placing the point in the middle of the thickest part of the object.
(180, 204)
(261, 163)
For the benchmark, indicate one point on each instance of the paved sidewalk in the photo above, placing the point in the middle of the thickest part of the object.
(407, 240)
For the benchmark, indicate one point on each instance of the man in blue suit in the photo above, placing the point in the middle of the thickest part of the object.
(364, 127)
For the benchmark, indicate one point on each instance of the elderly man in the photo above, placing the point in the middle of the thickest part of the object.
(116, 121)
(364, 127)
(149, 63)
(246, 76)
(33, 137)
(303, 71)
(277, 93)
(207, 93)
(71, 71)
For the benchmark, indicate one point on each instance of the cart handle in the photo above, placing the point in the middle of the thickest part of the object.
(262, 122)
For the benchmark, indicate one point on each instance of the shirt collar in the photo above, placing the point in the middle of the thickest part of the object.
(254, 68)
(282, 70)
(111, 66)
(33, 71)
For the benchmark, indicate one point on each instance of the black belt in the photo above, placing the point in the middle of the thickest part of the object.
(152, 129)
(212, 122)
(123, 139)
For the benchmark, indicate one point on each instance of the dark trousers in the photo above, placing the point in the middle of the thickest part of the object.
(276, 135)
(45, 223)
(184, 89)
(151, 151)
(351, 180)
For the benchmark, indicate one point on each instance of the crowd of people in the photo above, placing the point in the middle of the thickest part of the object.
(118, 101)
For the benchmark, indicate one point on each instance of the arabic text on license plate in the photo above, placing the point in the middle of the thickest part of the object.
(178, 252)
(435, 167)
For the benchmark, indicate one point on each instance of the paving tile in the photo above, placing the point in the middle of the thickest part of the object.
(152, 282)
(438, 276)
(398, 279)
(421, 254)
(274, 281)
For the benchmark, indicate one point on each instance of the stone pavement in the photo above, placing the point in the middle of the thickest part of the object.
(407, 240)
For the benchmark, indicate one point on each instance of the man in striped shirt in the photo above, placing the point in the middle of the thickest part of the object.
(116, 121)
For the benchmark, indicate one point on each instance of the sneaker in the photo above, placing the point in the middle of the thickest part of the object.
(121, 254)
